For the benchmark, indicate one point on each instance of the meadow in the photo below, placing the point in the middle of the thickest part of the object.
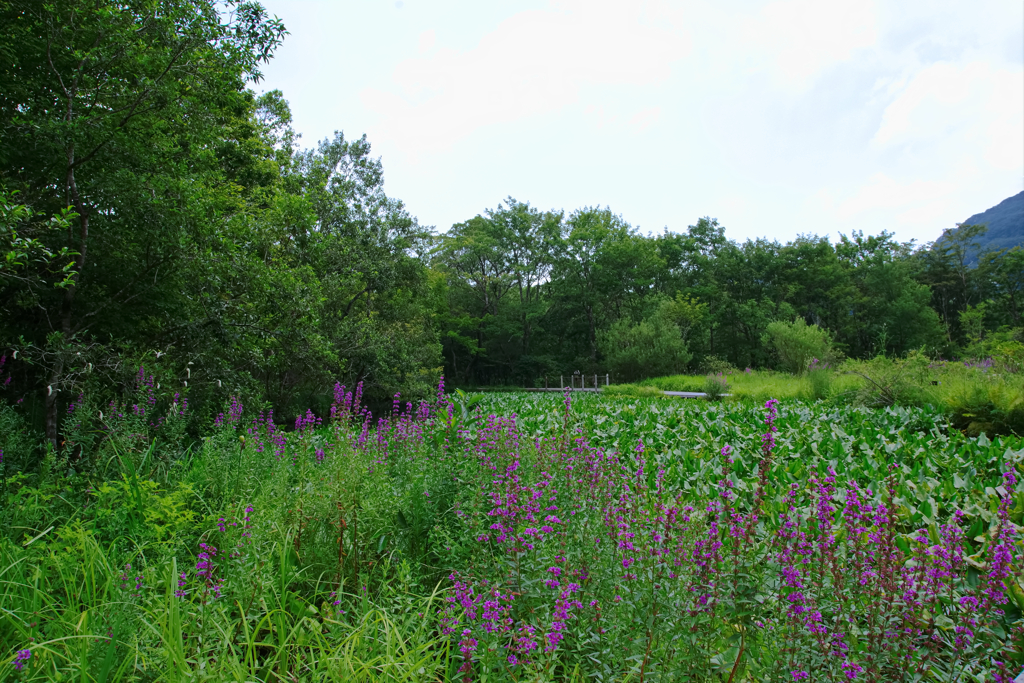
(513, 537)
(984, 395)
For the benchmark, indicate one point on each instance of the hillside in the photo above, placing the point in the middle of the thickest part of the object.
(1005, 223)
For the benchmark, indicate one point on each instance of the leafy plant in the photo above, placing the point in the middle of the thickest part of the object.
(715, 387)
(796, 343)
(891, 381)
(652, 347)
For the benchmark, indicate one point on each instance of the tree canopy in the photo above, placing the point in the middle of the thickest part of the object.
(156, 211)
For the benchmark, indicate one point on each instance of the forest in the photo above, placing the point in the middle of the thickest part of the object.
(157, 210)
(257, 423)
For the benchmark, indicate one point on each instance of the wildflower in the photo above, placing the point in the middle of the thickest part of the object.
(467, 646)
(851, 670)
(22, 657)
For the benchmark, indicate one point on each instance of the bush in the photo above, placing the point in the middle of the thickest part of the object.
(715, 386)
(715, 365)
(892, 381)
(991, 405)
(650, 348)
(796, 343)
(18, 449)
(819, 378)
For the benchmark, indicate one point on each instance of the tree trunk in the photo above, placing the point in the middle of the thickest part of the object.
(51, 394)
(593, 335)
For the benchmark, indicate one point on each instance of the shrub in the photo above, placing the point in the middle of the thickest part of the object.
(819, 377)
(990, 405)
(796, 343)
(716, 365)
(892, 381)
(650, 348)
(18, 449)
(715, 386)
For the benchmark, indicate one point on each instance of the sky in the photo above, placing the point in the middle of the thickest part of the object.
(778, 118)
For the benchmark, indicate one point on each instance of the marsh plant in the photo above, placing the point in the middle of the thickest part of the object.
(716, 386)
(443, 542)
(819, 379)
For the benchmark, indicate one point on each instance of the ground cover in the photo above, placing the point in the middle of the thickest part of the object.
(756, 385)
(517, 537)
(978, 396)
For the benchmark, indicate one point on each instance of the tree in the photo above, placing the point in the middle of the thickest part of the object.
(798, 343)
(582, 279)
(117, 108)
(499, 265)
(946, 269)
(26, 258)
(890, 308)
(1003, 273)
(650, 348)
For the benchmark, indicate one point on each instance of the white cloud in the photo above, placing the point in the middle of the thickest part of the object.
(426, 41)
(884, 192)
(533, 62)
(778, 116)
(795, 40)
(944, 100)
(644, 119)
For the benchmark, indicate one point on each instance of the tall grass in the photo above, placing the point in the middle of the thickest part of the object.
(979, 397)
(758, 386)
(442, 543)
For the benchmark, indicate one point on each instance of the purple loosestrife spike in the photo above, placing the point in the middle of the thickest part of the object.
(21, 658)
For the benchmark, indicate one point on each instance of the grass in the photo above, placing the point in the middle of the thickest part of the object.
(755, 386)
(977, 397)
(610, 538)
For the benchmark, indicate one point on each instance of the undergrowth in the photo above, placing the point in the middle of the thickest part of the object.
(441, 542)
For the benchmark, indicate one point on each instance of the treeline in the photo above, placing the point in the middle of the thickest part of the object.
(156, 213)
(528, 293)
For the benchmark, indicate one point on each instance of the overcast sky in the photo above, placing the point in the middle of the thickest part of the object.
(778, 118)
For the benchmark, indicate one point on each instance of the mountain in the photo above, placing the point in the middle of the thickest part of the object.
(1005, 223)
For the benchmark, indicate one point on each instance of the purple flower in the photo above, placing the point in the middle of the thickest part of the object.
(22, 657)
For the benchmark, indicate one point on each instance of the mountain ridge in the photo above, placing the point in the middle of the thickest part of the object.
(1005, 223)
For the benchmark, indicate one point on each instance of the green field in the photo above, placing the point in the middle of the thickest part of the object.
(508, 537)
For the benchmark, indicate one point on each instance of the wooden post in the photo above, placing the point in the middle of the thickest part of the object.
(561, 381)
(606, 379)
(595, 382)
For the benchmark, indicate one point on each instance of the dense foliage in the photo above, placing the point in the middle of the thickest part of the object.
(181, 224)
(603, 286)
(516, 537)
(171, 252)
(156, 211)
